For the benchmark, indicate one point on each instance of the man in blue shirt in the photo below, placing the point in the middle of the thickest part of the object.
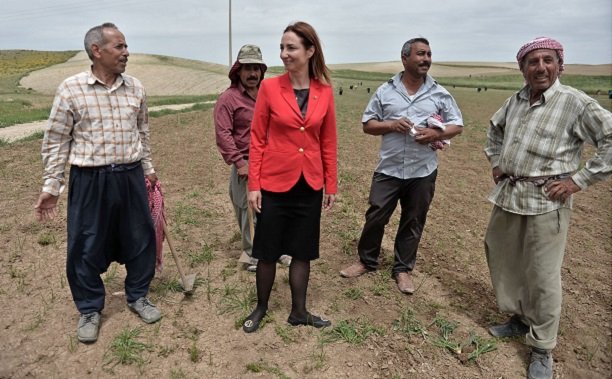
(407, 170)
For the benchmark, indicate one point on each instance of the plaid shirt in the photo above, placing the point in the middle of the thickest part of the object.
(92, 125)
(546, 139)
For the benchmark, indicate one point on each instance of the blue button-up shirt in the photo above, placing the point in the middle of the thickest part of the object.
(400, 156)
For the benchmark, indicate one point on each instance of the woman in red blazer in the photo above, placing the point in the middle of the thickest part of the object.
(292, 170)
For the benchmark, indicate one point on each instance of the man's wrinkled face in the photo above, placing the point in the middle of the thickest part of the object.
(112, 55)
(540, 69)
(250, 75)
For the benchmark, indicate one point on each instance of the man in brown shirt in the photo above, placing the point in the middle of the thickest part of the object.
(99, 125)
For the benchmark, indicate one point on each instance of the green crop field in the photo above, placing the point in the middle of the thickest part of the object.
(17, 104)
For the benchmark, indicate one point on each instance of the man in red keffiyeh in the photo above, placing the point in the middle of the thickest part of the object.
(534, 146)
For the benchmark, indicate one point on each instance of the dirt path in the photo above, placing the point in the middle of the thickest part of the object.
(16, 132)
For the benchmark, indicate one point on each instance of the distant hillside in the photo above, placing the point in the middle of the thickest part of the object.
(161, 75)
(448, 69)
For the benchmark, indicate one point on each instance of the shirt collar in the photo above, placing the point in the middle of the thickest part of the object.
(525, 92)
(121, 80)
(243, 90)
(429, 82)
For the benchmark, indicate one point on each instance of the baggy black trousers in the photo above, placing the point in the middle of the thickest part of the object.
(108, 220)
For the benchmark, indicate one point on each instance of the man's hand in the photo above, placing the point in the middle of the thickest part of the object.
(152, 179)
(255, 200)
(561, 189)
(403, 125)
(46, 207)
(497, 174)
(243, 171)
(424, 136)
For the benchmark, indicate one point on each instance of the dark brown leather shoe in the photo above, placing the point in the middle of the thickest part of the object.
(354, 270)
(404, 282)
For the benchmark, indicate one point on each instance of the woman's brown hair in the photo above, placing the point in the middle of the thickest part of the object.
(316, 66)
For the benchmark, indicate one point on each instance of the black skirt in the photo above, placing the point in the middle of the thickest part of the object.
(289, 223)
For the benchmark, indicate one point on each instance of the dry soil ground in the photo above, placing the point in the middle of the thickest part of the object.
(198, 337)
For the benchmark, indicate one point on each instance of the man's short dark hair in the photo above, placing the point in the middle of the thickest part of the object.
(408, 45)
(95, 36)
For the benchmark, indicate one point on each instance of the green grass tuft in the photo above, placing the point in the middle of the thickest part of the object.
(126, 349)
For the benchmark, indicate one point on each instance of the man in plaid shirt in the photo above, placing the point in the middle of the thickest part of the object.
(99, 125)
(534, 145)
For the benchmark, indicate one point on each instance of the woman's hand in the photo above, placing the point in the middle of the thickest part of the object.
(255, 200)
(328, 201)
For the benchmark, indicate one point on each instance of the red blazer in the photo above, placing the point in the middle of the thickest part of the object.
(284, 145)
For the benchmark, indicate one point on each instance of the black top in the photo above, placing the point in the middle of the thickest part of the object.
(301, 96)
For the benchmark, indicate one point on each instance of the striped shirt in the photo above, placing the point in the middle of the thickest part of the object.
(93, 125)
(546, 139)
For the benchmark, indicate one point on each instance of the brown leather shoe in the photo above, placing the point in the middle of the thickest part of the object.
(404, 282)
(354, 270)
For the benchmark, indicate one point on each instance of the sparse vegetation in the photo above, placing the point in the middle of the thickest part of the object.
(46, 239)
(204, 255)
(286, 333)
(353, 293)
(261, 366)
(195, 355)
(376, 331)
(409, 325)
(164, 286)
(351, 331)
(241, 303)
(127, 349)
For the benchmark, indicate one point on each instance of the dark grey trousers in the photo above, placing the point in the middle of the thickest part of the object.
(415, 196)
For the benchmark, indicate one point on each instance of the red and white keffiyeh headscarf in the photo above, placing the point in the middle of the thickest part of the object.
(541, 43)
(156, 205)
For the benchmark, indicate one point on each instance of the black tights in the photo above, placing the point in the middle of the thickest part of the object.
(299, 274)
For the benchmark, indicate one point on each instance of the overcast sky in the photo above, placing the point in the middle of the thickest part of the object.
(351, 30)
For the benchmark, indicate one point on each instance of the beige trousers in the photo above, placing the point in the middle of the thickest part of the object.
(525, 254)
(238, 195)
